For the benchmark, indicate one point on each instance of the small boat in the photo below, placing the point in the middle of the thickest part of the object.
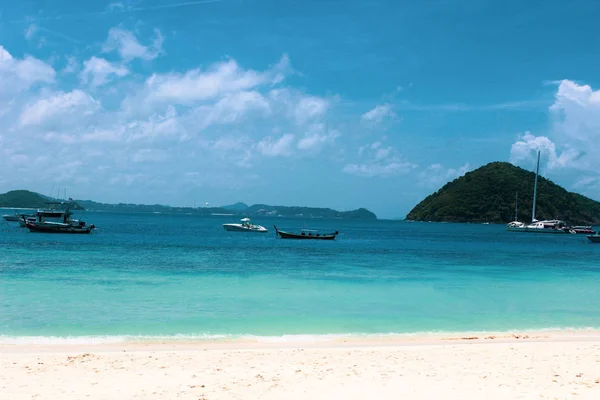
(245, 226)
(12, 218)
(588, 230)
(306, 234)
(57, 221)
(594, 238)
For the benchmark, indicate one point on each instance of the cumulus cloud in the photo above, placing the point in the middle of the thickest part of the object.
(379, 160)
(274, 147)
(572, 144)
(317, 136)
(131, 130)
(97, 71)
(21, 74)
(59, 107)
(129, 48)
(199, 85)
(528, 145)
(574, 140)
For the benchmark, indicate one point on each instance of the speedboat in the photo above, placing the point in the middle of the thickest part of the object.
(594, 238)
(11, 218)
(588, 230)
(245, 226)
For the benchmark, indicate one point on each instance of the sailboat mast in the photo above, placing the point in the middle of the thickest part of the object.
(537, 171)
(517, 206)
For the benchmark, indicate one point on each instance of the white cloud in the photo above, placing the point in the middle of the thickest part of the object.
(276, 147)
(378, 115)
(309, 108)
(232, 108)
(304, 109)
(98, 71)
(59, 106)
(317, 137)
(162, 126)
(21, 74)
(199, 85)
(129, 48)
(379, 161)
(127, 131)
(528, 145)
(572, 144)
(437, 175)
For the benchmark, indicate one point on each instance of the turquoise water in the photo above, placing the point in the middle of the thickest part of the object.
(155, 275)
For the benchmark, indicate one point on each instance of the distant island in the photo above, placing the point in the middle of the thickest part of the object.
(487, 194)
(27, 199)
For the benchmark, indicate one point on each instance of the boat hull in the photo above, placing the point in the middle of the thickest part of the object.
(58, 228)
(239, 228)
(304, 236)
(11, 218)
(536, 230)
(594, 238)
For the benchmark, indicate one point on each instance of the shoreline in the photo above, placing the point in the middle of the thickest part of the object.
(248, 342)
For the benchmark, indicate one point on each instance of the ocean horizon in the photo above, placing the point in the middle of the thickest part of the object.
(147, 277)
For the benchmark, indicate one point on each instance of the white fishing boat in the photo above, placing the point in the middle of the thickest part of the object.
(244, 226)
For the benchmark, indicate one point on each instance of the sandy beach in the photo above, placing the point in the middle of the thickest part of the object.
(487, 366)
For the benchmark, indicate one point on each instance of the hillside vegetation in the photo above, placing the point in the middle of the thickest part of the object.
(487, 194)
(27, 199)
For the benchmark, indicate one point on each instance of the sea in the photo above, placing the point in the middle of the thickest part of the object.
(144, 277)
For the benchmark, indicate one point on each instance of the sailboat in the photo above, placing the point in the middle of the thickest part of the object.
(547, 226)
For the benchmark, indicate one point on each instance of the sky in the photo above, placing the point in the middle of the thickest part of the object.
(326, 103)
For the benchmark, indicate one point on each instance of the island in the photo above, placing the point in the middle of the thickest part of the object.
(488, 194)
(30, 200)
(27, 199)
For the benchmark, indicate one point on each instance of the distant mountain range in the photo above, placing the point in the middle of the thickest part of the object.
(487, 194)
(27, 199)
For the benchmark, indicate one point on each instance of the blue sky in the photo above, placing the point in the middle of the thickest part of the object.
(320, 103)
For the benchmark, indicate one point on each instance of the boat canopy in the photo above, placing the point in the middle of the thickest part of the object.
(245, 219)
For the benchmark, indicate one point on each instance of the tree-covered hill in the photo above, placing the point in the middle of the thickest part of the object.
(487, 194)
(27, 199)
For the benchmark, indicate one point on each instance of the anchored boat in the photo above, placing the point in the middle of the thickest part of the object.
(306, 234)
(547, 226)
(57, 221)
(594, 238)
(245, 226)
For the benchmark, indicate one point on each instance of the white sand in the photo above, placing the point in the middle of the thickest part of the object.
(536, 367)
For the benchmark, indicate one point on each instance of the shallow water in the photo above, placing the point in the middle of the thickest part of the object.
(155, 275)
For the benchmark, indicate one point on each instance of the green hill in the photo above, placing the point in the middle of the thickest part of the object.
(27, 199)
(487, 194)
